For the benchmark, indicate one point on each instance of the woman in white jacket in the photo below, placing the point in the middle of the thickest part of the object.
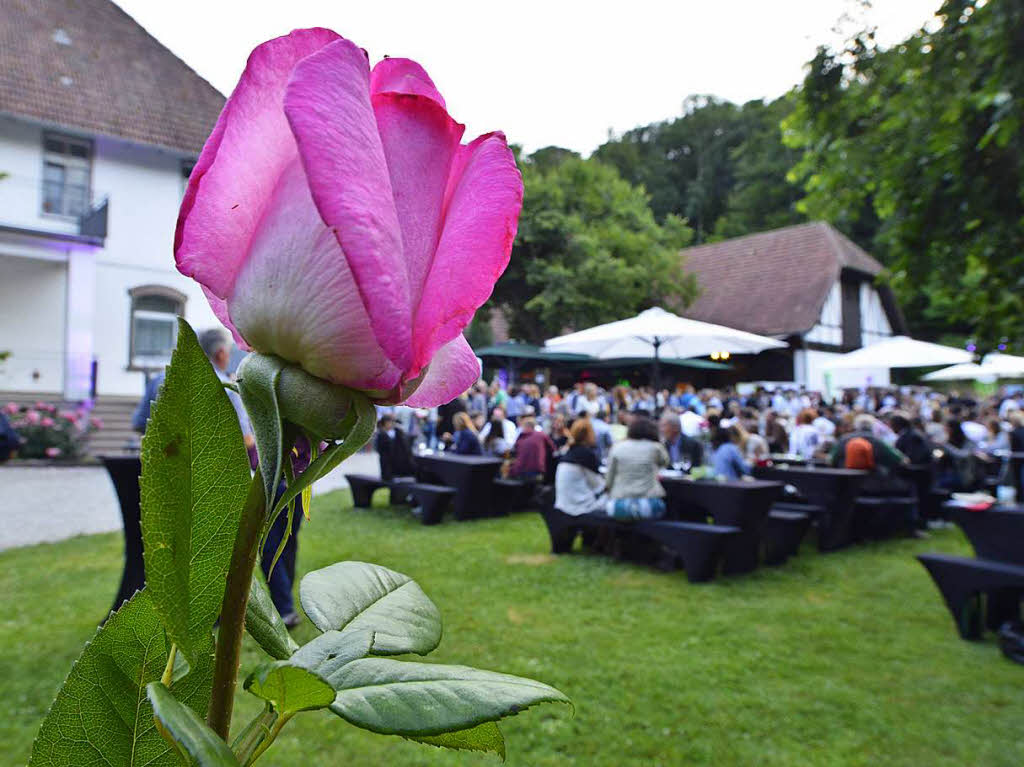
(579, 486)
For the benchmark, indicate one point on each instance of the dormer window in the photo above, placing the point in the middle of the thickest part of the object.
(67, 174)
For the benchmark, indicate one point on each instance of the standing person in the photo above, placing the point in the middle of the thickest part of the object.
(506, 429)
(393, 452)
(633, 465)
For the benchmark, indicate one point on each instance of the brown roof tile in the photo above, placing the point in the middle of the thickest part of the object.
(86, 64)
(773, 283)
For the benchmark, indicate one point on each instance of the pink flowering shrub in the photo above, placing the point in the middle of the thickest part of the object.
(47, 432)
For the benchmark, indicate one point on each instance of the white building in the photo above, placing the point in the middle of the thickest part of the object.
(808, 285)
(99, 127)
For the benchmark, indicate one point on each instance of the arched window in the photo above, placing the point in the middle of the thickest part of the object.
(153, 326)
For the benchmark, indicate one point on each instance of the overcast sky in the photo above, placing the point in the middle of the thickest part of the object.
(562, 72)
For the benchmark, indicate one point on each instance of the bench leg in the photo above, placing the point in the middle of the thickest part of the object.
(964, 603)
(362, 496)
(782, 540)
(433, 510)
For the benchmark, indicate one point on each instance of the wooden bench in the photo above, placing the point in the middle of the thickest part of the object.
(700, 547)
(963, 582)
(433, 500)
(512, 494)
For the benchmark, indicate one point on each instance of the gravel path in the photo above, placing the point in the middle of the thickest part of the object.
(40, 504)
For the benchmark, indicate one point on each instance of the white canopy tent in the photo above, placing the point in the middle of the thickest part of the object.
(656, 333)
(993, 367)
(901, 352)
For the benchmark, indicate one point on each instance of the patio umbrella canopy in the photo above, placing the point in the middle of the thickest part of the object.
(655, 333)
(901, 352)
(992, 367)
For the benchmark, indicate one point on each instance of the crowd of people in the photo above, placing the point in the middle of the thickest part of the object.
(609, 445)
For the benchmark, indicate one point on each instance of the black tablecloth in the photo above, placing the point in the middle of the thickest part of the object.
(834, 489)
(742, 504)
(996, 533)
(472, 476)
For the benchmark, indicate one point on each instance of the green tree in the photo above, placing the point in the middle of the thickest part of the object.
(588, 250)
(917, 152)
(761, 198)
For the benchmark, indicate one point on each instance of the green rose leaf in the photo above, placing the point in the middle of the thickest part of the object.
(264, 623)
(484, 737)
(257, 384)
(394, 697)
(101, 714)
(190, 734)
(195, 475)
(290, 688)
(357, 596)
(326, 654)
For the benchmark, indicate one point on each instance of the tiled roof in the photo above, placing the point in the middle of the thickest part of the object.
(773, 283)
(87, 65)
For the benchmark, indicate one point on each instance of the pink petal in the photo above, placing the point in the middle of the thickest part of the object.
(328, 106)
(295, 296)
(239, 166)
(420, 141)
(403, 76)
(220, 309)
(453, 370)
(484, 197)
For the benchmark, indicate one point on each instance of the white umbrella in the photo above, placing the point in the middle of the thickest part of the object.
(1003, 365)
(994, 366)
(901, 352)
(966, 371)
(656, 333)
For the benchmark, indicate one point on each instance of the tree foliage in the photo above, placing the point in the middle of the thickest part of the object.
(917, 152)
(716, 161)
(589, 250)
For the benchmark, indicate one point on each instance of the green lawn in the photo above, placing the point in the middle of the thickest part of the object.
(844, 659)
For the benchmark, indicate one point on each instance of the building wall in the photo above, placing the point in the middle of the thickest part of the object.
(144, 186)
(874, 322)
(32, 324)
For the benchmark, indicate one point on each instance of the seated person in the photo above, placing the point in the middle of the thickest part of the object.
(534, 452)
(393, 451)
(726, 457)
(861, 449)
(910, 441)
(465, 441)
(633, 465)
(579, 486)
(682, 449)
(492, 436)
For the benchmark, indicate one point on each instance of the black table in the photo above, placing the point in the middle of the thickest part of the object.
(739, 503)
(833, 489)
(997, 533)
(124, 472)
(472, 476)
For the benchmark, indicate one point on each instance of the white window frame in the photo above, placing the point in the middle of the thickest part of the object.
(67, 161)
(150, 363)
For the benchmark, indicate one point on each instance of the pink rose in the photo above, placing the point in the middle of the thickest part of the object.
(96, 423)
(335, 219)
(52, 452)
(46, 422)
(11, 408)
(32, 417)
(69, 415)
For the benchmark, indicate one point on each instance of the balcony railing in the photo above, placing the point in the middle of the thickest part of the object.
(38, 208)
